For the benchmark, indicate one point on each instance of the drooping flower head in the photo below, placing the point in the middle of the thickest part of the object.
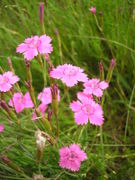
(92, 10)
(34, 45)
(20, 102)
(1, 128)
(95, 87)
(71, 157)
(69, 74)
(7, 80)
(42, 108)
(46, 96)
(86, 109)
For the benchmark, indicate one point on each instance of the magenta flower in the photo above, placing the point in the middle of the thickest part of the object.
(82, 95)
(69, 74)
(1, 128)
(42, 108)
(7, 80)
(46, 96)
(71, 157)
(92, 10)
(87, 109)
(34, 45)
(20, 102)
(95, 87)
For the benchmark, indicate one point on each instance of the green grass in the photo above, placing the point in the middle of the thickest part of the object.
(83, 45)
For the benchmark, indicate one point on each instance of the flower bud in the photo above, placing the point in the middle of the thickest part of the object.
(4, 106)
(41, 12)
(49, 114)
(101, 70)
(54, 91)
(110, 71)
(92, 10)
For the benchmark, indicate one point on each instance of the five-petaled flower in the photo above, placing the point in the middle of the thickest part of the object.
(34, 45)
(19, 102)
(71, 157)
(95, 87)
(87, 109)
(69, 74)
(7, 80)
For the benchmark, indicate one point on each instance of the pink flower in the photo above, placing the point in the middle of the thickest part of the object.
(1, 127)
(87, 109)
(82, 95)
(42, 108)
(92, 10)
(46, 96)
(20, 102)
(95, 87)
(71, 157)
(69, 74)
(34, 45)
(7, 80)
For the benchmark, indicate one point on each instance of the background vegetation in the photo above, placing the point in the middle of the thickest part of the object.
(76, 40)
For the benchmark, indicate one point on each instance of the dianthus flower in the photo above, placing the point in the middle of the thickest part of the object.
(7, 80)
(87, 109)
(42, 108)
(95, 87)
(82, 95)
(20, 102)
(69, 74)
(92, 10)
(34, 45)
(71, 157)
(1, 127)
(46, 96)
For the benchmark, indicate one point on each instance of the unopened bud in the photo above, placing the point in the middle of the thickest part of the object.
(54, 91)
(46, 2)
(112, 63)
(4, 106)
(75, 2)
(47, 57)
(101, 70)
(57, 31)
(110, 71)
(49, 114)
(100, 13)
(27, 63)
(41, 12)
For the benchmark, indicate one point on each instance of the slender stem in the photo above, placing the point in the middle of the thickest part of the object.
(128, 113)
(43, 67)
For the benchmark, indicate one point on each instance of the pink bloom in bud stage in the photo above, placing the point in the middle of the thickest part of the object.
(95, 87)
(34, 45)
(7, 80)
(20, 102)
(92, 10)
(87, 109)
(69, 74)
(1, 128)
(42, 108)
(71, 157)
(46, 96)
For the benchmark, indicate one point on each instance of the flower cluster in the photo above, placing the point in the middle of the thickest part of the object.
(7, 80)
(71, 157)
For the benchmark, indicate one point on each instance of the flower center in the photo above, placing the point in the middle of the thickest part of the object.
(87, 109)
(69, 72)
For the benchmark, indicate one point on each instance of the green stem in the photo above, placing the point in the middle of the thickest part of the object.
(128, 113)
(43, 67)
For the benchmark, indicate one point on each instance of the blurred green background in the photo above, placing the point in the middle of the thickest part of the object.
(79, 42)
